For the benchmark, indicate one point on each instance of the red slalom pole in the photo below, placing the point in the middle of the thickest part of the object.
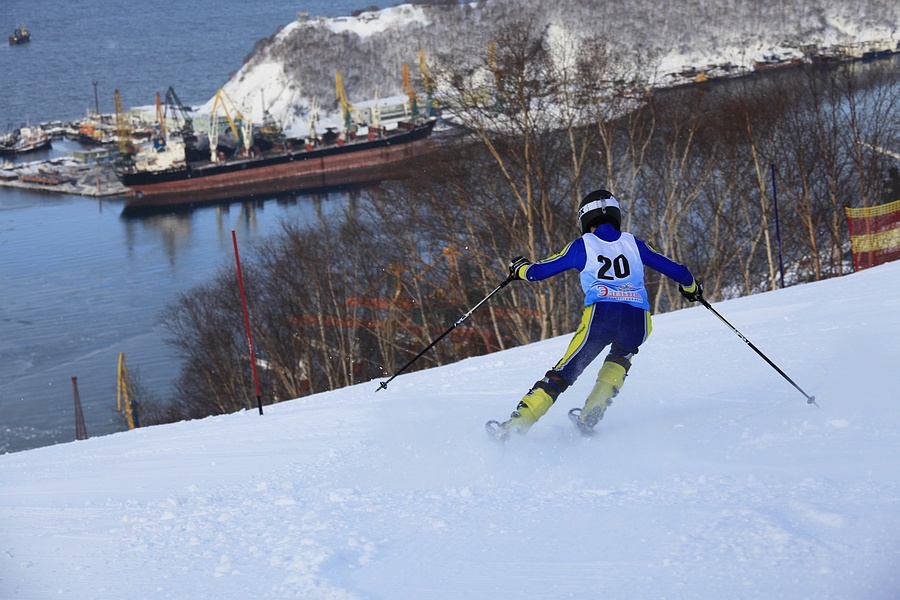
(237, 260)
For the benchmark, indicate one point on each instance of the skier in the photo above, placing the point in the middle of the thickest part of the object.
(616, 311)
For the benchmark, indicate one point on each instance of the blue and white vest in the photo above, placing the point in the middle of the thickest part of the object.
(613, 271)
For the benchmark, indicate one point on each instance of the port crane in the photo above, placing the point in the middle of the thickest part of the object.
(271, 130)
(160, 139)
(376, 112)
(430, 104)
(346, 107)
(123, 129)
(313, 121)
(500, 95)
(186, 123)
(241, 128)
(166, 151)
(411, 93)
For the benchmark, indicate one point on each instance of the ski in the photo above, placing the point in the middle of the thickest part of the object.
(575, 417)
(496, 432)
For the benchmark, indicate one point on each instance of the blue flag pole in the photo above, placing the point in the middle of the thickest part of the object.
(777, 227)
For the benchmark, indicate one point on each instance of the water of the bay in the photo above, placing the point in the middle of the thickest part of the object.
(80, 283)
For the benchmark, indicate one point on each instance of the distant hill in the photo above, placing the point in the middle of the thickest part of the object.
(299, 62)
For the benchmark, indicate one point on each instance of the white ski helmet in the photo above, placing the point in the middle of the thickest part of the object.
(598, 207)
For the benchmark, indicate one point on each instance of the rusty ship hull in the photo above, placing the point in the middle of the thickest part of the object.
(323, 167)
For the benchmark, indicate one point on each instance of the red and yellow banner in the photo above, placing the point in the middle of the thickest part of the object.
(874, 234)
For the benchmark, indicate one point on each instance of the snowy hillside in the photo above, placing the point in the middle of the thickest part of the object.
(710, 478)
(286, 72)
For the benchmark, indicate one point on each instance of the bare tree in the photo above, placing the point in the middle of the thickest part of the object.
(357, 295)
(204, 325)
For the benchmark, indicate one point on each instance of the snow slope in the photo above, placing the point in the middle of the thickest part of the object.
(710, 478)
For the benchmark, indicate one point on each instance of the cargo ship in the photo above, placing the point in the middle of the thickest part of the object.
(329, 163)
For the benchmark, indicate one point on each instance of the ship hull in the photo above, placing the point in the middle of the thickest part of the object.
(321, 168)
(41, 143)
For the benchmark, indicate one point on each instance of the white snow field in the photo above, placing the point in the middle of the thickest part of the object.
(710, 478)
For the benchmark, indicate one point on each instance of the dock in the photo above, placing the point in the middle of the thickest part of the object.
(63, 176)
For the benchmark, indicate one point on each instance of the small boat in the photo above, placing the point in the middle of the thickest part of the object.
(23, 140)
(20, 35)
(772, 62)
(46, 177)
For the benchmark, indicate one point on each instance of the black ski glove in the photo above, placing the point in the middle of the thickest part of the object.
(515, 265)
(692, 293)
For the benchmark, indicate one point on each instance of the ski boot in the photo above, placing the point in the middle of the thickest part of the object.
(532, 407)
(609, 381)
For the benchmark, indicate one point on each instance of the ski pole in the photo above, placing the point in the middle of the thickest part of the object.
(809, 399)
(383, 385)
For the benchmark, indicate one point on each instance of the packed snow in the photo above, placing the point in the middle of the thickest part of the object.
(710, 477)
